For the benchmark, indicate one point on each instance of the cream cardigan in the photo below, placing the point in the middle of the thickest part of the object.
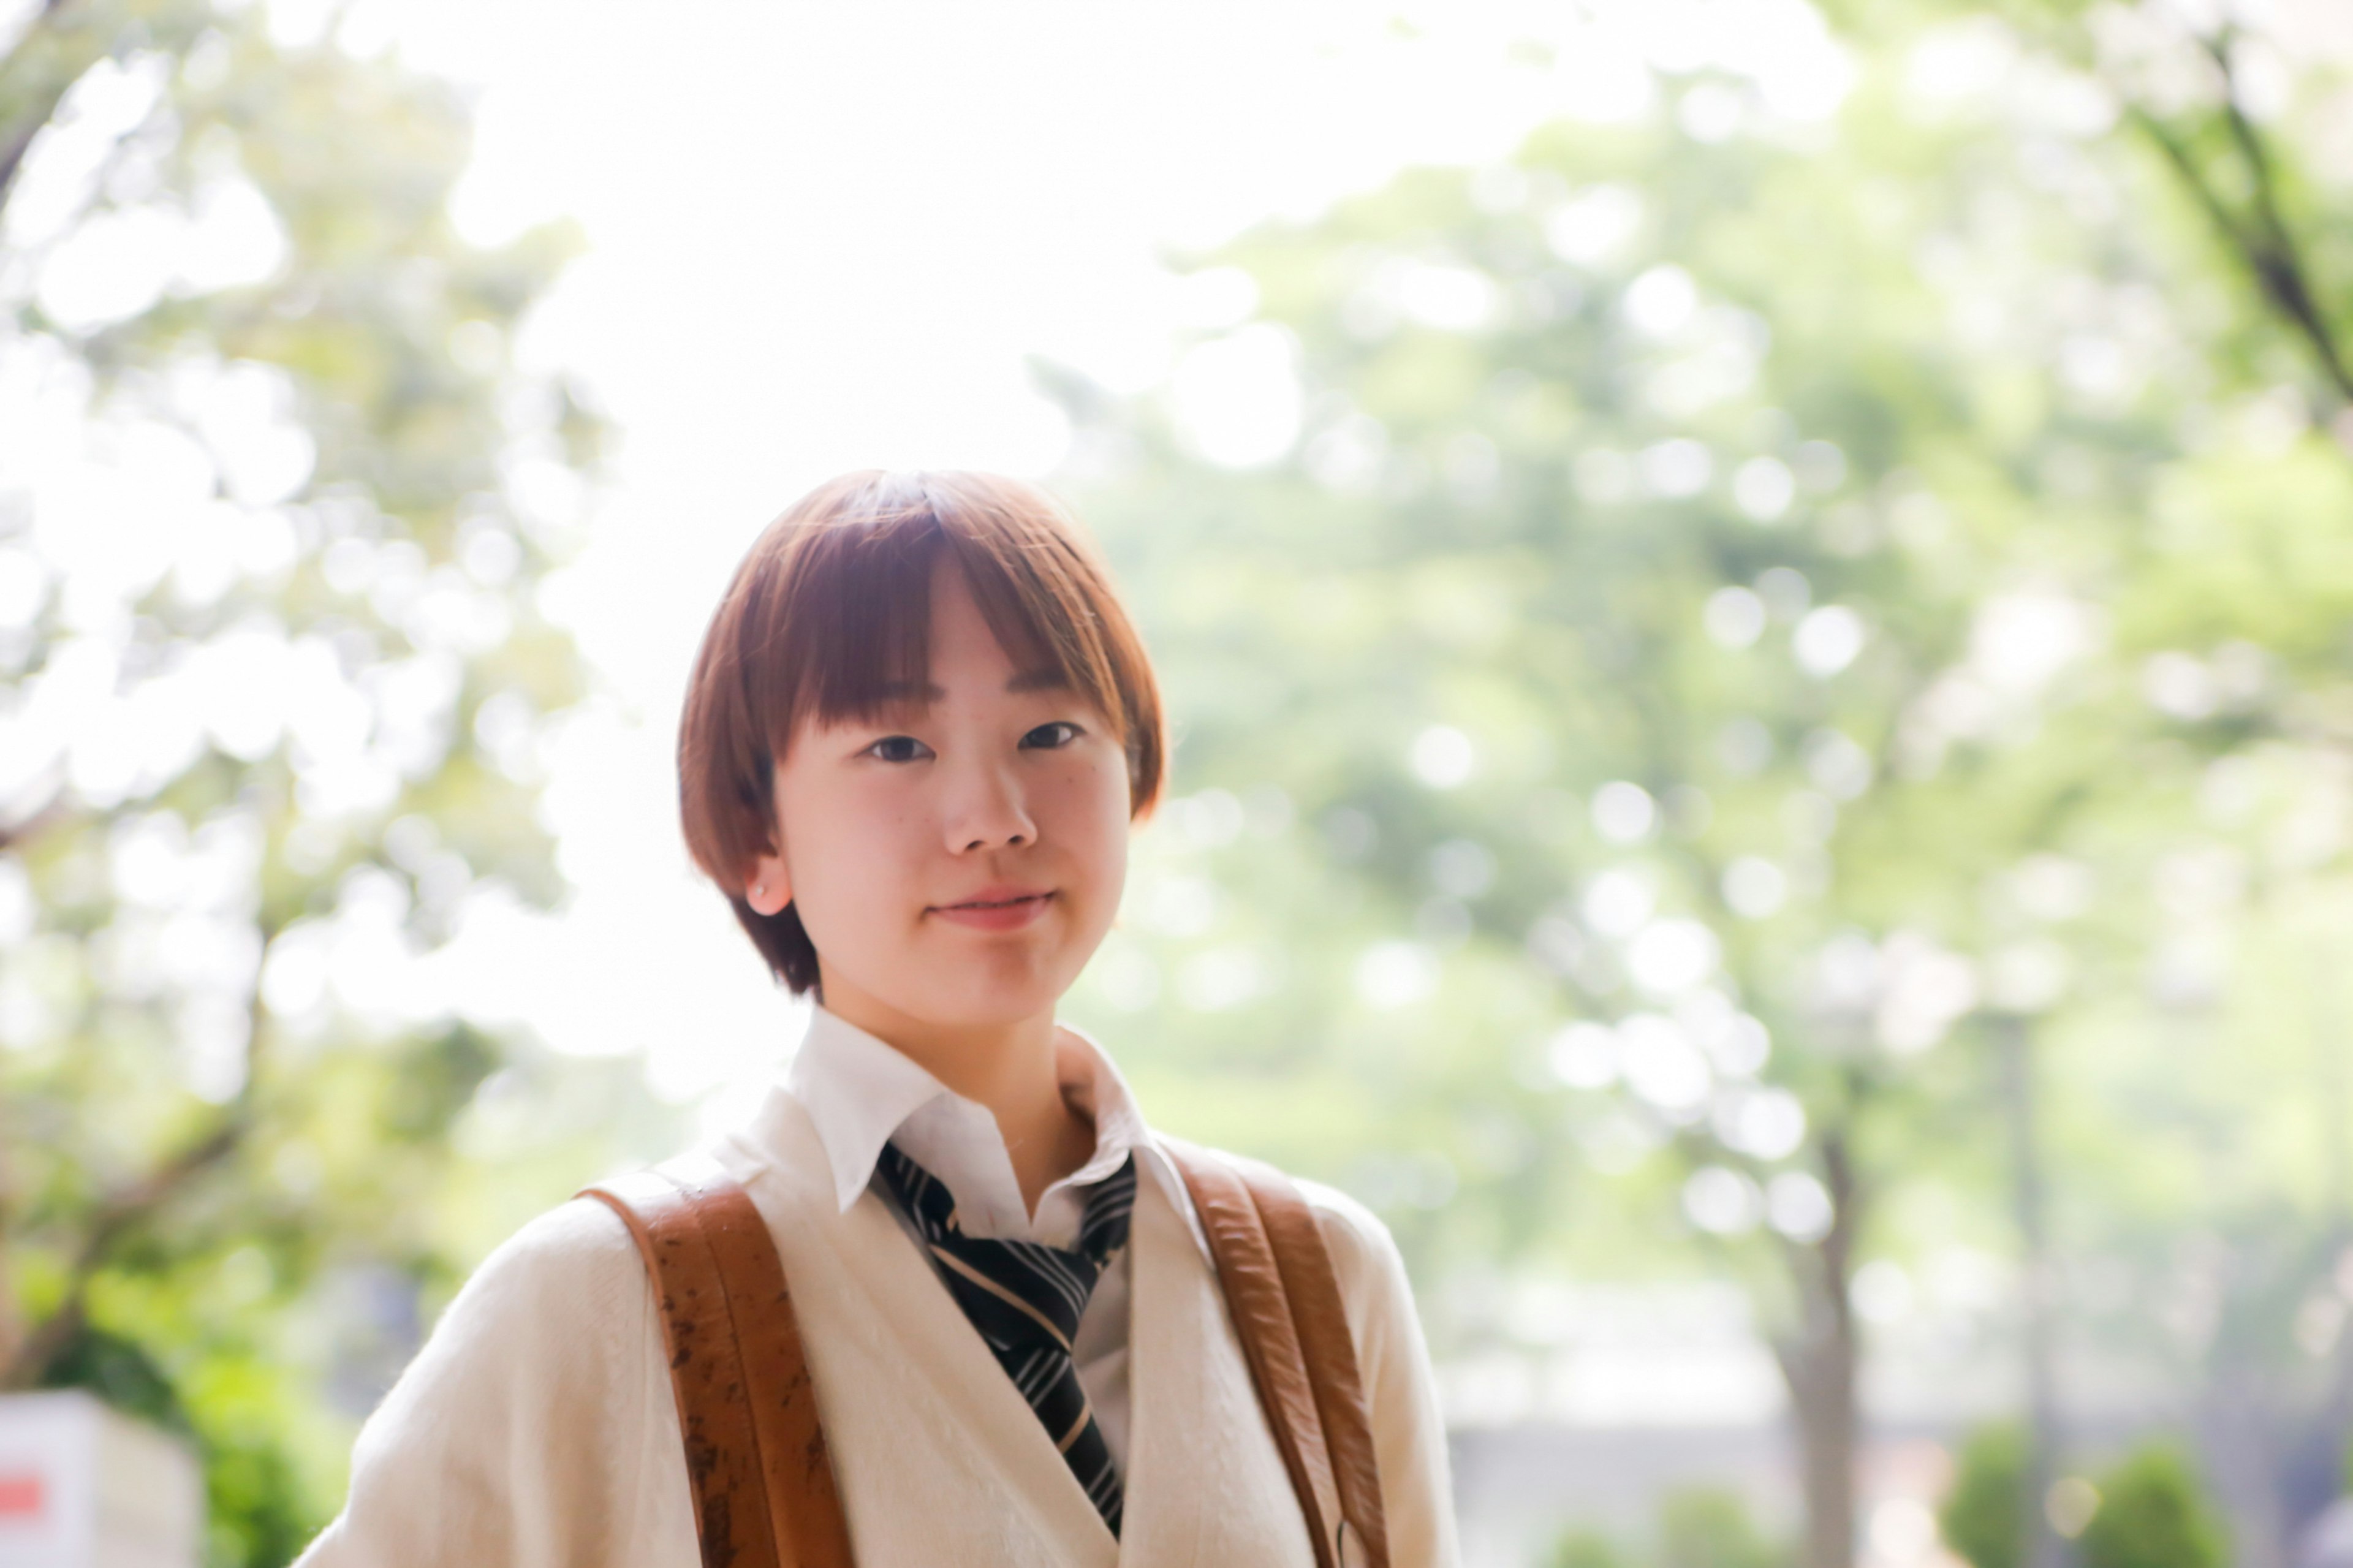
(861, 1093)
(537, 1428)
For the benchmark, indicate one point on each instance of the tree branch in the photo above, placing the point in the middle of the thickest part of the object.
(13, 833)
(2288, 278)
(19, 138)
(2262, 241)
(12, 1321)
(115, 1217)
(128, 1208)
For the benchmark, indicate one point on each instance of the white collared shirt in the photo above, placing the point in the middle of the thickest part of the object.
(861, 1093)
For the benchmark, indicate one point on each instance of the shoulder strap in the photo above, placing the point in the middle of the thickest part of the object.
(764, 1491)
(1285, 1298)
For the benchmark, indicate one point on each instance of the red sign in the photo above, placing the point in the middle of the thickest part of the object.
(20, 1495)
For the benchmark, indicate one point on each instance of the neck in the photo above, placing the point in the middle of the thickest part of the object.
(1011, 1068)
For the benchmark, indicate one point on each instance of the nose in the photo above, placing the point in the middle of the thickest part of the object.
(986, 809)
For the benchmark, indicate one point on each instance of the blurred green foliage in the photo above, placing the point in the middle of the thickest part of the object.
(232, 1188)
(1695, 1527)
(2152, 1514)
(1582, 1548)
(1707, 1527)
(2149, 1510)
(1981, 1518)
(1748, 620)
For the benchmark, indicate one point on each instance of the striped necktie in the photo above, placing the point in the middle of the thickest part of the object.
(1025, 1298)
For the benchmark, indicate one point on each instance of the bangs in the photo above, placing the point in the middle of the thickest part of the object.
(853, 609)
(829, 618)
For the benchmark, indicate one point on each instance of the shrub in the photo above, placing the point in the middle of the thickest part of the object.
(1585, 1549)
(1710, 1527)
(2152, 1514)
(1981, 1520)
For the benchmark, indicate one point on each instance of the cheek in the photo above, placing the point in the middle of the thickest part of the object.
(1091, 804)
(842, 847)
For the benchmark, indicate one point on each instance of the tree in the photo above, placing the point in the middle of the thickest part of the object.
(278, 500)
(1704, 614)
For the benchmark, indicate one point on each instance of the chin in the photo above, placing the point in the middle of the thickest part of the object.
(983, 1005)
(946, 979)
(980, 998)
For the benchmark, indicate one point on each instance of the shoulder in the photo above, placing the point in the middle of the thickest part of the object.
(528, 1429)
(1366, 1263)
(555, 1323)
(1343, 1218)
(1359, 1243)
(577, 1251)
(567, 1286)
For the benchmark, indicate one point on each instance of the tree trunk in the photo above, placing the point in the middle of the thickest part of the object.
(2044, 1549)
(1822, 1395)
(1820, 1363)
(12, 1323)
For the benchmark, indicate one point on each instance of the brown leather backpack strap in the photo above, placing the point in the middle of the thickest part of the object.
(1320, 1316)
(1285, 1299)
(755, 1455)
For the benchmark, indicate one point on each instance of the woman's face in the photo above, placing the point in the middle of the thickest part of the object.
(956, 861)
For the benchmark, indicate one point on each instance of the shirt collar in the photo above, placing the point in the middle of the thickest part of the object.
(859, 1091)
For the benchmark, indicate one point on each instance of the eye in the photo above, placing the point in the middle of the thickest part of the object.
(898, 749)
(1052, 740)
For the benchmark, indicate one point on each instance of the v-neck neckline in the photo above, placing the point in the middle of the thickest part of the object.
(909, 1300)
(1202, 1473)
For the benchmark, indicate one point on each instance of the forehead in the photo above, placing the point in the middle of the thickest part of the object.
(923, 694)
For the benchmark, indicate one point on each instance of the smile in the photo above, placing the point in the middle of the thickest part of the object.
(997, 914)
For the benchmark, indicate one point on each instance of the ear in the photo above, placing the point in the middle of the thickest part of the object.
(768, 889)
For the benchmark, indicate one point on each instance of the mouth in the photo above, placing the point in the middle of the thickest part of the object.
(999, 909)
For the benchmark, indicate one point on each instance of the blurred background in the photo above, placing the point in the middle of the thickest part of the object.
(1754, 596)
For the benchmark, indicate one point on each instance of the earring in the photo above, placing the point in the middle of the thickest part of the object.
(759, 890)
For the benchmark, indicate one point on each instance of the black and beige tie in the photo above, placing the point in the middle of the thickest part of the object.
(1026, 1300)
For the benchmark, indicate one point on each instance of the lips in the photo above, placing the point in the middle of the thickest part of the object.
(999, 907)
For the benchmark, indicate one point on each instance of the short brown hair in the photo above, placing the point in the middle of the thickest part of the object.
(831, 607)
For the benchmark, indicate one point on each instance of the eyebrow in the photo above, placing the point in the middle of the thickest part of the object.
(1044, 679)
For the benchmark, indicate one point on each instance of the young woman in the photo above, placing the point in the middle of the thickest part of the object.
(919, 729)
